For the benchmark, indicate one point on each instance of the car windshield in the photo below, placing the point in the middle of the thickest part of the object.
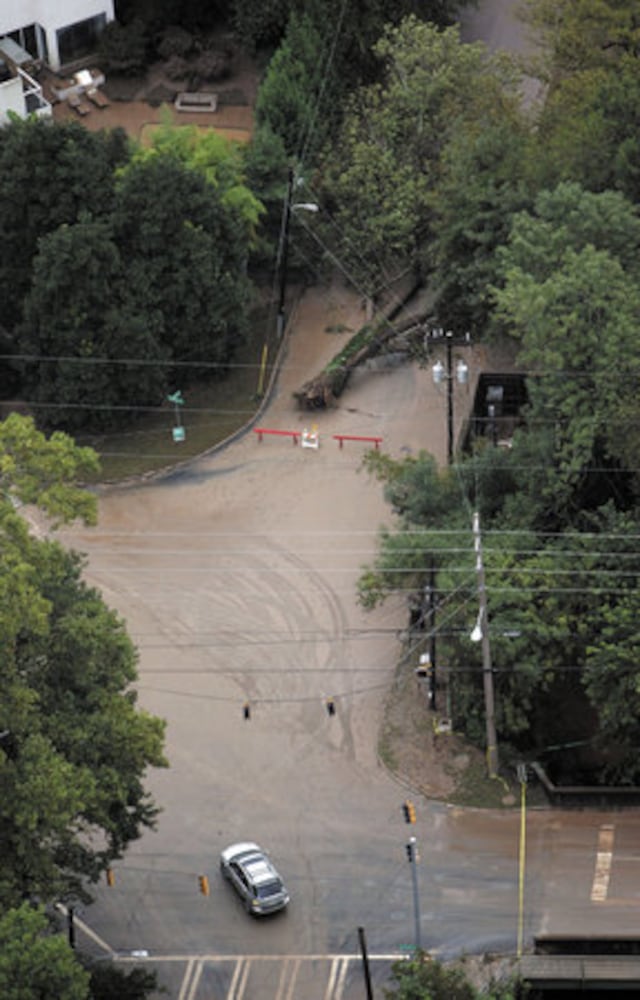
(268, 889)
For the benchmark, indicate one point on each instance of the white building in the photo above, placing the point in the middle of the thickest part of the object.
(20, 94)
(56, 32)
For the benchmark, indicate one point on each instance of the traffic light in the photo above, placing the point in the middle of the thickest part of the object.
(111, 879)
(409, 849)
(203, 882)
(331, 706)
(409, 811)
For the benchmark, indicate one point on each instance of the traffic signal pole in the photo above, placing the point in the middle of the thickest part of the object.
(365, 963)
(411, 854)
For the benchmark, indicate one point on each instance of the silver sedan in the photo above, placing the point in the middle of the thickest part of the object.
(254, 877)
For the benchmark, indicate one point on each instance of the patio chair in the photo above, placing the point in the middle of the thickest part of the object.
(97, 97)
(78, 105)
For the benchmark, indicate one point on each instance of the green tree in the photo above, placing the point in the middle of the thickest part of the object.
(124, 48)
(36, 964)
(186, 257)
(485, 181)
(300, 89)
(588, 130)
(81, 313)
(44, 471)
(585, 35)
(574, 308)
(218, 160)
(111, 981)
(266, 165)
(561, 605)
(380, 174)
(422, 978)
(74, 747)
(588, 126)
(51, 173)
(361, 22)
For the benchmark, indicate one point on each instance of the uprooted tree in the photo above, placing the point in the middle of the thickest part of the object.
(372, 339)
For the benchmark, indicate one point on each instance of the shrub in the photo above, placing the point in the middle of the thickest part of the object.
(174, 41)
(177, 68)
(212, 65)
(122, 49)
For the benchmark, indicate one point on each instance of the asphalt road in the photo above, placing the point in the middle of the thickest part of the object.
(236, 576)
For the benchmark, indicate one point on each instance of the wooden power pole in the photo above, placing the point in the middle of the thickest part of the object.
(487, 670)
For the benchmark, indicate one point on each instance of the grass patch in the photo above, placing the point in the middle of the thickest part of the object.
(387, 738)
(338, 328)
(475, 788)
(213, 410)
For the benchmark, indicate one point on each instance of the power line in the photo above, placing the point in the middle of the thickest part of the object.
(303, 699)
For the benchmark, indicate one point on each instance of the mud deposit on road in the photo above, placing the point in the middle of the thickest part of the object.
(426, 762)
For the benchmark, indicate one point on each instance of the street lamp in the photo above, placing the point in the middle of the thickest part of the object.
(440, 374)
(289, 207)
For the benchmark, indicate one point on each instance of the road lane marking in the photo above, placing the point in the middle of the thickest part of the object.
(191, 979)
(332, 978)
(290, 969)
(335, 986)
(239, 979)
(604, 856)
(185, 979)
(341, 979)
(195, 981)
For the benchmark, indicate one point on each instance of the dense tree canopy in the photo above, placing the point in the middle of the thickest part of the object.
(588, 125)
(571, 295)
(380, 173)
(186, 257)
(49, 176)
(562, 573)
(74, 747)
(35, 964)
(360, 23)
(485, 179)
(585, 35)
(82, 311)
(117, 263)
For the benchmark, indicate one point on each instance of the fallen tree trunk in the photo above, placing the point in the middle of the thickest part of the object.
(370, 340)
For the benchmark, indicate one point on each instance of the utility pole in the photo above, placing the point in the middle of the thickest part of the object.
(481, 632)
(411, 855)
(284, 252)
(430, 592)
